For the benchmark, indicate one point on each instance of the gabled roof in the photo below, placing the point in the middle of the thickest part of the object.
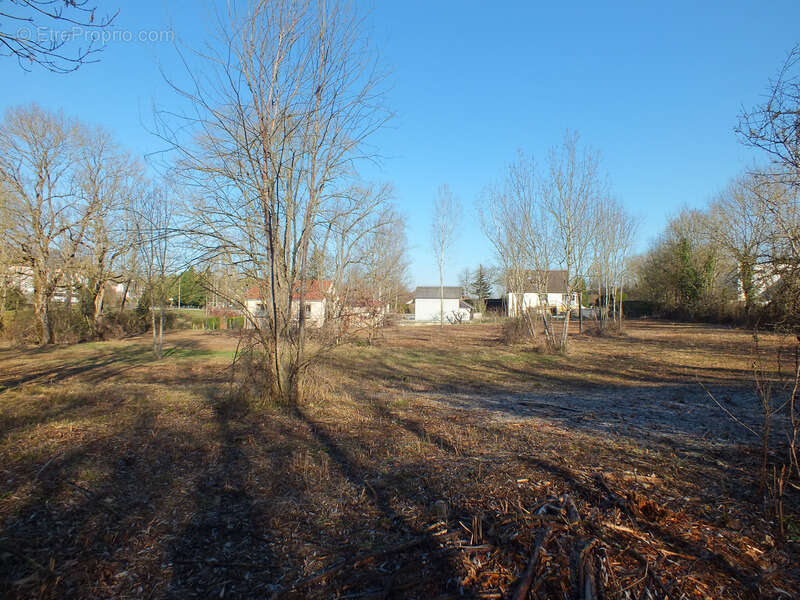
(316, 290)
(434, 292)
(555, 281)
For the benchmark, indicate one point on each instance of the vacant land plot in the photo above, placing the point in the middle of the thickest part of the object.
(435, 464)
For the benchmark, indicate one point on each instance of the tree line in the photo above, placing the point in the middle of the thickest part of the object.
(260, 190)
(737, 258)
(559, 215)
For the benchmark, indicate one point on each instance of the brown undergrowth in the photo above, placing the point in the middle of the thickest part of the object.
(431, 465)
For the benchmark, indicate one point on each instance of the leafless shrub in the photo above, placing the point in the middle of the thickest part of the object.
(776, 393)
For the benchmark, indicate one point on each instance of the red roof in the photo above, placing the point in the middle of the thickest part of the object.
(315, 290)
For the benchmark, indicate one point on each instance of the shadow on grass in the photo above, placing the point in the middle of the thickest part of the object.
(101, 365)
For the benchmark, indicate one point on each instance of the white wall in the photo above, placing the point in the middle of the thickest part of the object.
(532, 300)
(428, 309)
(315, 315)
(315, 312)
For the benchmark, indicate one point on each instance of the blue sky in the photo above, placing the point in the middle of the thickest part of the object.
(655, 87)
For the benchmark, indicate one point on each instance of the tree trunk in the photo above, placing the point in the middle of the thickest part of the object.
(441, 296)
(620, 308)
(68, 299)
(746, 277)
(41, 306)
(124, 296)
(160, 332)
(97, 316)
(155, 330)
(43, 312)
(565, 331)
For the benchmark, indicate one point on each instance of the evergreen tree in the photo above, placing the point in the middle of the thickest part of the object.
(481, 287)
(192, 290)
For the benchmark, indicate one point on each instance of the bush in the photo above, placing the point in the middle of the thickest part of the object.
(14, 299)
(235, 322)
(514, 330)
(128, 322)
(637, 308)
(20, 327)
(69, 324)
(211, 323)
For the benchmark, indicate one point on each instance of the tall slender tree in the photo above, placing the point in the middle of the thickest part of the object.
(446, 214)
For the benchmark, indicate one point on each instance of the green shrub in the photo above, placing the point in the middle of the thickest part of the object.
(235, 322)
(20, 327)
(14, 299)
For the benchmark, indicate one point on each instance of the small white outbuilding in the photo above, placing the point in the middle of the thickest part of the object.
(428, 304)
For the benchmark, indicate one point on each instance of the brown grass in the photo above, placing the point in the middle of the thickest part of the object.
(129, 478)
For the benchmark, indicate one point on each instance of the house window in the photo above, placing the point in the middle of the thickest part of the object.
(308, 309)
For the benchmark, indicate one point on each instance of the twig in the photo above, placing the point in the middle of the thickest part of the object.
(527, 575)
(90, 496)
(729, 413)
(45, 465)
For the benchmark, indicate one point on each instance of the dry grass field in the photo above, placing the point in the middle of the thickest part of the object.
(433, 464)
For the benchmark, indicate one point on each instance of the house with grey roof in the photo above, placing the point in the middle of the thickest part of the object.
(544, 290)
(428, 304)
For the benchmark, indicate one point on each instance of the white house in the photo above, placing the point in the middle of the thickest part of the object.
(428, 304)
(547, 290)
(315, 306)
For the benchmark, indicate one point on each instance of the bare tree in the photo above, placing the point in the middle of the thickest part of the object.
(280, 108)
(107, 179)
(465, 279)
(775, 125)
(7, 259)
(740, 225)
(519, 227)
(375, 276)
(365, 238)
(574, 189)
(615, 230)
(154, 209)
(29, 33)
(446, 214)
(48, 218)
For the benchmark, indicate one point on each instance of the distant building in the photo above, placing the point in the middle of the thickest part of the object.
(543, 289)
(317, 296)
(428, 304)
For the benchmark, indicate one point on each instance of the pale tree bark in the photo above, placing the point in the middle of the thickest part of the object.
(574, 190)
(614, 234)
(446, 215)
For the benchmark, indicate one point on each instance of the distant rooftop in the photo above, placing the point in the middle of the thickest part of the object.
(433, 292)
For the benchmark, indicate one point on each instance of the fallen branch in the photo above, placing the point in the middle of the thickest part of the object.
(530, 570)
